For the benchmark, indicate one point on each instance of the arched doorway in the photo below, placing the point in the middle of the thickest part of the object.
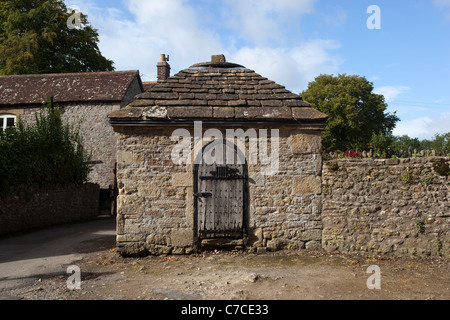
(220, 193)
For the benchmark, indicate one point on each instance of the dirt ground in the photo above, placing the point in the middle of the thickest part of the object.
(222, 275)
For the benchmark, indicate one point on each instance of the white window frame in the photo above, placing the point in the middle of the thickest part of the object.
(5, 118)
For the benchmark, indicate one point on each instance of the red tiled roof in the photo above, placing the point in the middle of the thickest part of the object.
(65, 87)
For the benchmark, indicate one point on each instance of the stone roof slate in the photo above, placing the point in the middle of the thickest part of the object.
(224, 91)
(65, 87)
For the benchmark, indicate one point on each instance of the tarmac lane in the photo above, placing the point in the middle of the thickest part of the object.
(26, 258)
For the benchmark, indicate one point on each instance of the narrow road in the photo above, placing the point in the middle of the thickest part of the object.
(26, 258)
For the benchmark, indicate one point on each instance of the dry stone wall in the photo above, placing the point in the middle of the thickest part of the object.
(394, 206)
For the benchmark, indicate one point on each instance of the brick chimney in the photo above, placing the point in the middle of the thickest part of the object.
(163, 68)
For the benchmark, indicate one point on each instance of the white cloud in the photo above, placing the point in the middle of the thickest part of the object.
(263, 21)
(390, 93)
(336, 18)
(177, 28)
(170, 27)
(154, 27)
(424, 127)
(405, 111)
(440, 124)
(292, 67)
(443, 5)
(416, 128)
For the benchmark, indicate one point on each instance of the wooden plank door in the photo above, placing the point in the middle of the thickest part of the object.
(221, 200)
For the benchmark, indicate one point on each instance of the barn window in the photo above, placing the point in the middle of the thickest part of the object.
(6, 121)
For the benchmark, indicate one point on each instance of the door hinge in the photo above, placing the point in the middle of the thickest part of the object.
(203, 195)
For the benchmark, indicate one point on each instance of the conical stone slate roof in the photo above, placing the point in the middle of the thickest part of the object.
(217, 91)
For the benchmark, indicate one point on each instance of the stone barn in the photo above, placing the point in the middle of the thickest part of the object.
(84, 98)
(218, 155)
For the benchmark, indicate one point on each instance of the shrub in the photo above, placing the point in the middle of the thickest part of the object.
(407, 177)
(45, 153)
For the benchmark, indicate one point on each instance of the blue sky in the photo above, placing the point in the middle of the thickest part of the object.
(292, 42)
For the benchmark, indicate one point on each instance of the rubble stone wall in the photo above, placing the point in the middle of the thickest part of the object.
(392, 206)
(155, 202)
(30, 208)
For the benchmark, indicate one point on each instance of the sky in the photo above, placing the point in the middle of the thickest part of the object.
(403, 47)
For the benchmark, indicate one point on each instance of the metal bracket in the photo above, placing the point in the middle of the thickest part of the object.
(203, 195)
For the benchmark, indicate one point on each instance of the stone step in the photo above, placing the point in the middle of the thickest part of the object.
(222, 243)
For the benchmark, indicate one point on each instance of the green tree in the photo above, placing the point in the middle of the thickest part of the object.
(440, 143)
(355, 112)
(381, 143)
(35, 38)
(405, 143)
